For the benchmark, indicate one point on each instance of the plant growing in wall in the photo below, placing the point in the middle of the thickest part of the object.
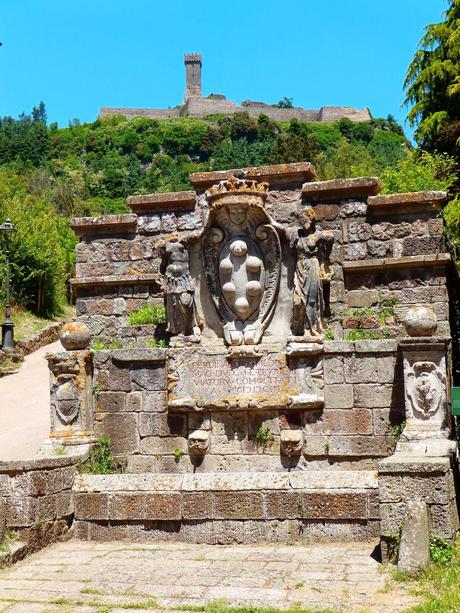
(149, 314)
(263, 436)
(100, 460)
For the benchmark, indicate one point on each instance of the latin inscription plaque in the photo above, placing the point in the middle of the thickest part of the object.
(198, 379)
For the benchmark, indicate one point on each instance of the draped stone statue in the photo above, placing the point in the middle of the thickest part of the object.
(180, 292)
(312, 269)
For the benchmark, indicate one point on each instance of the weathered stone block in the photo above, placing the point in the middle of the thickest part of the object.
(197, 505)
(151, 506)
(338, 396)
(373, 396)
(358, 231)
(119, 378)
(64, 504)
(153, 445)
(162, 424)
(360, 369)
(154, 401)
(282, 505)
(110, 402)
(414, 551)
(358, 298)
(238, 505)
(21, 511)
(46, 508)
(355, 251)
(93, 506)
(421, 246)
(324, 505)
(150, 379)
(122, 430)
(134, 402)
(367, 446)
(340, 421)
(433, 489)
(333, 370)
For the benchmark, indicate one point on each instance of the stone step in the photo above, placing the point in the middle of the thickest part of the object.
(228, 507)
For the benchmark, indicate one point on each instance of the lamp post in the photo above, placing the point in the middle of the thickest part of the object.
(7, 325)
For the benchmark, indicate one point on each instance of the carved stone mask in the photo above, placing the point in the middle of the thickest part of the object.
(237, 214)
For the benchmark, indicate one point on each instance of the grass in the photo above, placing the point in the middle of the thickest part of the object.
(26, 324)
(220, 606)
(9, 539)
(438, 585)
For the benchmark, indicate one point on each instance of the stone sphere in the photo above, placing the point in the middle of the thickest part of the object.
(420, 321)
(75, 335)
(241, 305)
(253, 288)
(238, 248)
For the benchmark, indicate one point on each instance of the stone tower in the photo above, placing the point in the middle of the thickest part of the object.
(192, 63)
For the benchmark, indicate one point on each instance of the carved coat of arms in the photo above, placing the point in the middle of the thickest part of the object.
(241, 256)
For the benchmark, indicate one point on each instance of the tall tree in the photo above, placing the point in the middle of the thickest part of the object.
(432, 84)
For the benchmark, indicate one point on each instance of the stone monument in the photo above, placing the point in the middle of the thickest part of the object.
(304, 391)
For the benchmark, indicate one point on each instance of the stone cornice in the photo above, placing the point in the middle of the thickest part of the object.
(170, 201)
(276, 175)
(146, 279)
(339, 189)
(106, 224)
(409, 202)
(409, 261)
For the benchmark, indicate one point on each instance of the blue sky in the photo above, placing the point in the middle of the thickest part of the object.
(79, 55)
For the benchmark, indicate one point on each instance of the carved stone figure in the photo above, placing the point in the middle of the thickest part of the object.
(71, 396)
(179, 292)
(313, 250)
(291, 442)
(198, 442)
(425, 389)
(241, 254)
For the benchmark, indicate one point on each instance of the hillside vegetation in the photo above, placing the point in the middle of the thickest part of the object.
(49, 174)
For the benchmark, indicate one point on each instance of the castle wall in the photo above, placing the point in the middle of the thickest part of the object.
(197, 106)
(147, 113)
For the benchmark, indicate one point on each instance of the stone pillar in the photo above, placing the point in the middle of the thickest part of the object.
(71, 387)
(426, 388)
(422, 465)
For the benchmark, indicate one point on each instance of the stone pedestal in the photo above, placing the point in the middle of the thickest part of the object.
(71, 381)
(405, 477)
(425, 387)
(422, 466)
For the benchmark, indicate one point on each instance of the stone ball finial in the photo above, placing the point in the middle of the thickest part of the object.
(420, 321)
(75, 335)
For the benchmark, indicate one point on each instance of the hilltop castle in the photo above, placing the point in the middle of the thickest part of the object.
(196, 105)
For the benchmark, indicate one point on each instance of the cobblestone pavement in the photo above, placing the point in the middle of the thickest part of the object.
(88, 577)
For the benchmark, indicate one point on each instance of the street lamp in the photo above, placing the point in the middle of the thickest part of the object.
(7, 325)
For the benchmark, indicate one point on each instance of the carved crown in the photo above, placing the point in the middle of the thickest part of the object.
(237, 187)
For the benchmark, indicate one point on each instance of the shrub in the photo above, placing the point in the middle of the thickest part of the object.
(100, 461)
(147, 315)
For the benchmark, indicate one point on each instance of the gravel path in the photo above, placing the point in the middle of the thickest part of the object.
(24, 407)
(92, 577)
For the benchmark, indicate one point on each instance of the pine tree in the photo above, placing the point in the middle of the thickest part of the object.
(432, 82)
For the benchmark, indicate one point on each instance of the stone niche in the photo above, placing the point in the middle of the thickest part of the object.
(290, 304)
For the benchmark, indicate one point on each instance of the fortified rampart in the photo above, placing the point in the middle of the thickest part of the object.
(196, 105)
